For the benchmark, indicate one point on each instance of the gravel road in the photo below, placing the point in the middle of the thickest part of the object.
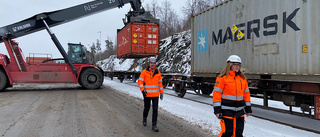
(74, 112)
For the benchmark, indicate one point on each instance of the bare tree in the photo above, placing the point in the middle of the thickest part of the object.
(153, 8)
(190, 8)
(193, 7)
(164, 14)
(169, 20)
(215, 2)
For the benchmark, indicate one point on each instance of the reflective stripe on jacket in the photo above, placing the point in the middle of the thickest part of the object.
(151, 82)
(231, 94)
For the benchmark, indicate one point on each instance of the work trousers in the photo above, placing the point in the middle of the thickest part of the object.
(147, 102)
(233, 124)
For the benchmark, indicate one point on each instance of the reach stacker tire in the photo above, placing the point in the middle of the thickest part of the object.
(3, 80)
(91, 78)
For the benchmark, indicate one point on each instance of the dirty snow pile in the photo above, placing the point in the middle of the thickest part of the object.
(114, 64)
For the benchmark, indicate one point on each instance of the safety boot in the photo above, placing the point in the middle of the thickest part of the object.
(144, 122)
(154, 127)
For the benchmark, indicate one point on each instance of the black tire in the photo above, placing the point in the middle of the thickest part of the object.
(110, 75)
(206, 90)
(180, 92)
(3, 81)
(91, 78)
(164, 83)
(134, 78)
(121, 78)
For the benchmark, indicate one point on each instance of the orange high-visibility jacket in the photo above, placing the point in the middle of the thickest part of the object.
(151, 82)
(231, 95)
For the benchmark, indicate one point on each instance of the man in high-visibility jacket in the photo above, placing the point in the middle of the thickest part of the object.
(150, 83)
(231, 98)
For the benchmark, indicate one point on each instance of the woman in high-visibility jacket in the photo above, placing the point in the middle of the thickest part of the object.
(150, 83)
(231, 98)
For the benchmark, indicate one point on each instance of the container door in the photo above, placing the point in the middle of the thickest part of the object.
(137, 36)
(152, 39)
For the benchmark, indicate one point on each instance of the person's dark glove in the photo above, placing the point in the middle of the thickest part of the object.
(161, 96)
(220, 116)
(144, 93)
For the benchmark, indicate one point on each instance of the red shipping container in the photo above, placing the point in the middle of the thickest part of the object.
(138, 40)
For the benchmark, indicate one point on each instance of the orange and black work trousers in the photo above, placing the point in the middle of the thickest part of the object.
(147, 102)
(232, 126)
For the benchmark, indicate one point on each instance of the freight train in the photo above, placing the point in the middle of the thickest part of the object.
(280, 50)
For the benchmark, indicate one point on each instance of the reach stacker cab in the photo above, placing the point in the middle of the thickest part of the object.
(78, 53)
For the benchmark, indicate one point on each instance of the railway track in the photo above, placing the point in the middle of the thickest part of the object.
(259, 106)
(257, 116)
(284, 112)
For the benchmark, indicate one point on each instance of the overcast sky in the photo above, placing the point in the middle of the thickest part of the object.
(84, 30)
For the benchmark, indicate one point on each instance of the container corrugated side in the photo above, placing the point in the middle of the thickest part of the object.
(281, 37)
(138, 40)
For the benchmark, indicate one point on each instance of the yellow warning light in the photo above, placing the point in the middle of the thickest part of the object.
(135, 35)
(134, 41)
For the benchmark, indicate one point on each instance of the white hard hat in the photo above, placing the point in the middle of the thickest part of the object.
(234, 58)
(152, 59)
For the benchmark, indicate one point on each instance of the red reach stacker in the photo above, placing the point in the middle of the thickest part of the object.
(16, 70)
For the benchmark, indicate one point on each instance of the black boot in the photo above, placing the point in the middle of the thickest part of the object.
(154, 127)
(144, 122)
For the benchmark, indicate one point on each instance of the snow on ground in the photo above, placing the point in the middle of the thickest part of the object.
(276, 104)
(114, 64)
(202, 115)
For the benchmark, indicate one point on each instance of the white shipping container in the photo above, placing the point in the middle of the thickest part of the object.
(281, 38)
